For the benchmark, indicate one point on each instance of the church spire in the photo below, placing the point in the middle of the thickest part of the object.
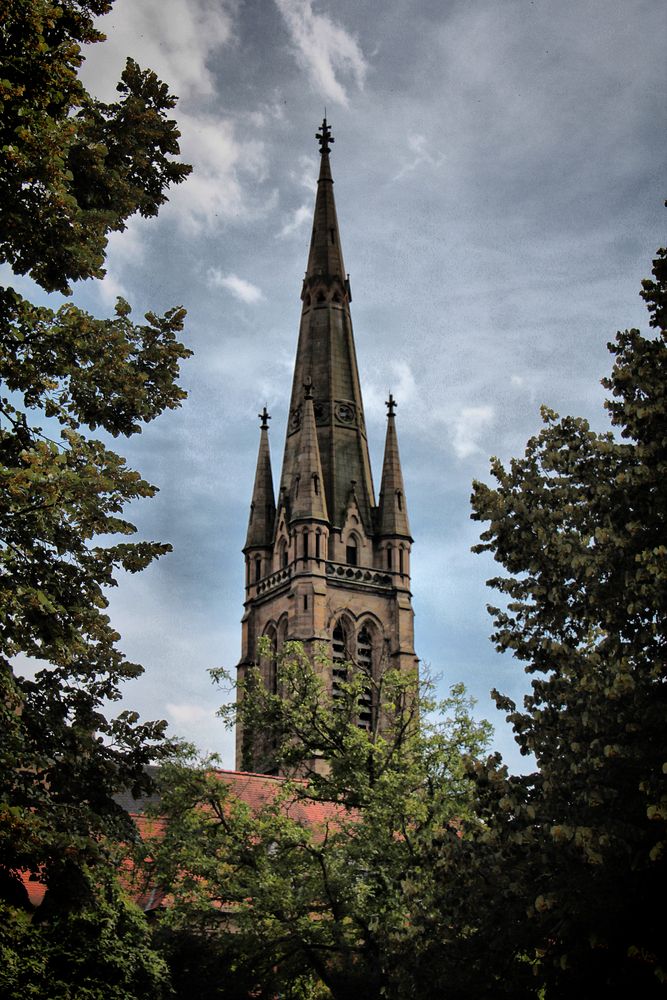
(392, 512)
(326, 354)
(325, 258)
(308, 499)
(263, 505)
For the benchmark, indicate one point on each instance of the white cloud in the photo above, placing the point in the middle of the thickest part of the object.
(123, 249)
(418, 146)
(299, 217)
(227, 170)
(468, 427)
(323, 49)
(184, 713)
(175, 38)
(306, 174)
(241, 289)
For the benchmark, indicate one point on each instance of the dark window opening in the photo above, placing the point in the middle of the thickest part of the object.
(283, 554)
(399, 499)
(305, 602)
(351, 552)
(305, 545)
(333, 235)
(317, 545)
(401, 565)
(316, 484)
(389, 558)
(258, 568)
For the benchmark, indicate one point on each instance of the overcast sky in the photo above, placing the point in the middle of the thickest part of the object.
(499, 181)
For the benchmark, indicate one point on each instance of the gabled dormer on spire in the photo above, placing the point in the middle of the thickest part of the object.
(308, 501)
(392, 511)
(263, 505)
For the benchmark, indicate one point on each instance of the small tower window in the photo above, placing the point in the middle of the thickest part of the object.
(282, 553)
(258, 568)
(389, 557)
(317, 545)
(305, 545)
(316, 484)
(401, 561)
(399, 499)
(332, 235)
(351, 552)
(305, 602)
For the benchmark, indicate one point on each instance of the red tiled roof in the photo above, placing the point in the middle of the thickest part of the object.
(256, 790)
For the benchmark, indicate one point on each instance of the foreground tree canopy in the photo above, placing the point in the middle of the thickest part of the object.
(72, 170)
(320, 882)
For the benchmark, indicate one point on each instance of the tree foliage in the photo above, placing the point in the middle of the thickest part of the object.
(319, 883)
(579, 524)
(72, 170)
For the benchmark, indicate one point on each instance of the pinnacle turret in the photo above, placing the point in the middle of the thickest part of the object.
(263, 506)
(392, 511)
(308, 500)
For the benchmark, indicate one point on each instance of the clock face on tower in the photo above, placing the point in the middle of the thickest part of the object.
(345, 413)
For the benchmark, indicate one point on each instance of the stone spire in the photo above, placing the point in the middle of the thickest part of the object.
(326, 354)
(263, 506)
(325, 258)
(308, 501)
(392, 511)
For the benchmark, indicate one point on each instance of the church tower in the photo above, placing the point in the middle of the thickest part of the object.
(326, 564)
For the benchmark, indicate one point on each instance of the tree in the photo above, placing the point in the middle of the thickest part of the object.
(72, 170)
(320, 882)
(579, 524)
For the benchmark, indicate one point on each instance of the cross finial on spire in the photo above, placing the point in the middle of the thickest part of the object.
(391, 405)
(308, 387)
(264, 417)
(324, 136)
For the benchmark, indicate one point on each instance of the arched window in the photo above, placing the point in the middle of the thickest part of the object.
(399, 499)
(389, 557)
(401, 560)
(305, 545)
(282, 553)
(339, 656)
(270, 661)
(318, 542)
(365, 664)
(258, 568)
(351, 551)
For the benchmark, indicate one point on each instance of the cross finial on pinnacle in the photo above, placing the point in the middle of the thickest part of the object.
(308, 387)
(391, 405)
(264, 417)
(324, 136)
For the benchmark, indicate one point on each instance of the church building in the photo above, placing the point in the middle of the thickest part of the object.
(325, 562)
